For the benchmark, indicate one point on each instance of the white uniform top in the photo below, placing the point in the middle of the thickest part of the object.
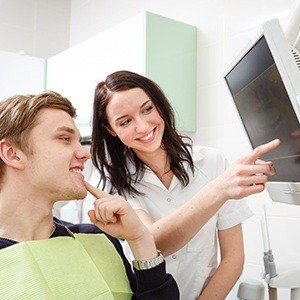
(194, 264)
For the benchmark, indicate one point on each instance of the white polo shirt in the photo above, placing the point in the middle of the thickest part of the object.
(194, 264)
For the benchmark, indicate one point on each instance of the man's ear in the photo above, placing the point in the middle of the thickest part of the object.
(110, 130)
(11, 155)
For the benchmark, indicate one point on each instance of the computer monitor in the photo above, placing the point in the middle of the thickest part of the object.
(264, 83)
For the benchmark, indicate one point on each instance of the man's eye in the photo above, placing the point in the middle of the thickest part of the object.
(65, 138)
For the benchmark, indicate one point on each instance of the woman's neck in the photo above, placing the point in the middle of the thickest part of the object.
(159, 163)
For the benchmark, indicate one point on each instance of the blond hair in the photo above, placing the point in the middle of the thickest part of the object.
(18, 116)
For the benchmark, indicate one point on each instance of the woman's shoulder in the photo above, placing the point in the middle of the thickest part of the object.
(209, 159)
(200, 152)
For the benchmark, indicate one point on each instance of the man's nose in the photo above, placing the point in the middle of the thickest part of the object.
(82, 154)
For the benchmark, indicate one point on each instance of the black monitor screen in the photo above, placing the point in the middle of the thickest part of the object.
(266, 110)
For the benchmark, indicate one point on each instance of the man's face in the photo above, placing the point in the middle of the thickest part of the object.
(56, 158)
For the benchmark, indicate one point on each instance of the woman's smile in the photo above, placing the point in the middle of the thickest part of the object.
(147, 138)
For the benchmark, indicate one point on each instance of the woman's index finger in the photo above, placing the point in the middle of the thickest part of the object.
(259, 151)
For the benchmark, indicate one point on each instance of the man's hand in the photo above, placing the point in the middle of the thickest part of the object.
(247, 175)
(114, 215)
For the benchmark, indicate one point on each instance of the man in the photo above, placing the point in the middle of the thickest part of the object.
(41, 160)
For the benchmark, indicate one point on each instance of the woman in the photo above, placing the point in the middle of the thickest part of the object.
(140, 155)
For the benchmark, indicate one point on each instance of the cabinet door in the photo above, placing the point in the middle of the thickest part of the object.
(171, 54)
(21, 74)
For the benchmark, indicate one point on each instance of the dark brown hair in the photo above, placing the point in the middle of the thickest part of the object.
(110, 156)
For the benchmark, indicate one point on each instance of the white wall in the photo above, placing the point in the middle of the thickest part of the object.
(38, 27)
(224, 27)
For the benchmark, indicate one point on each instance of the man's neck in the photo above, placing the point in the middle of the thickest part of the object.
(24, 216)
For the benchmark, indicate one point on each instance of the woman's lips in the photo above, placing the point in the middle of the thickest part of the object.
(148, 138)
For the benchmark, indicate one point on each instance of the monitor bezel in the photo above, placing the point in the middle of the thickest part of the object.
(279, 48)
(289, 73)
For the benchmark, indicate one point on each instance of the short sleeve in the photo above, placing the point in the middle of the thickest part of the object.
(136, 204)
(232, 213)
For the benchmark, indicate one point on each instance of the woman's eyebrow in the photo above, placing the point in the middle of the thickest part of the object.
(121, 117)
(145, 103)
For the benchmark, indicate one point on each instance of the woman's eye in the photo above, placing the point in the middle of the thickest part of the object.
(65, 138)
(124, 123)
(149, 108)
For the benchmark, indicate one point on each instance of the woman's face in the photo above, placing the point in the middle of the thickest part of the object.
(133, 117)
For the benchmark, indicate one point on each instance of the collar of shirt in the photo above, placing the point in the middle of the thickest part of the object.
(150, 177)
(60, 230)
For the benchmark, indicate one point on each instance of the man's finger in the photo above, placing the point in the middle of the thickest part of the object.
(96, 192)
(261, 150)
(91, 214)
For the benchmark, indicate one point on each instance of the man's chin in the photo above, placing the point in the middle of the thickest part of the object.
(74, 195)
(80, 194)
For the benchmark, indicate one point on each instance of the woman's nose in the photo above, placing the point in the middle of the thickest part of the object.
(141, 126)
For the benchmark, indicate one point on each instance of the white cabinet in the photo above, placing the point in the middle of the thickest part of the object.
(157, 47)
(21, 74)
